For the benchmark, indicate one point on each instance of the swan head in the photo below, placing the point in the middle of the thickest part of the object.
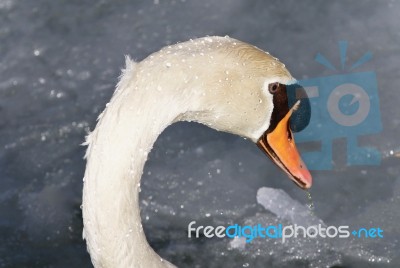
(248, 96)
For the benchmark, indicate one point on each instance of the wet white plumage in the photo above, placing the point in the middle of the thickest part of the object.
(217, 81)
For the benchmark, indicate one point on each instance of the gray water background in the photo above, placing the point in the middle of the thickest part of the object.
(59, 63)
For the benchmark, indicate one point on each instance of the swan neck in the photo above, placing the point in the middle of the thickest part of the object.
(117, 152)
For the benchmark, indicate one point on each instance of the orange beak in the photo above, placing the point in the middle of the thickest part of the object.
(279, 145)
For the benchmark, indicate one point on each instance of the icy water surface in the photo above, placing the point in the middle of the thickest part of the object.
(59, 62)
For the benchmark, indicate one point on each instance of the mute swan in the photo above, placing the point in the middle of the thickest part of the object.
(218, 81)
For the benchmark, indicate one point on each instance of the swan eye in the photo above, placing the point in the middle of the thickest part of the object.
(273, 88)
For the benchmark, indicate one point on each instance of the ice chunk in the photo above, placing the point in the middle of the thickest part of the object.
(238, 242)
(281, 204)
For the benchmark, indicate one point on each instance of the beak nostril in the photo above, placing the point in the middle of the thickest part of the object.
(289, 135)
